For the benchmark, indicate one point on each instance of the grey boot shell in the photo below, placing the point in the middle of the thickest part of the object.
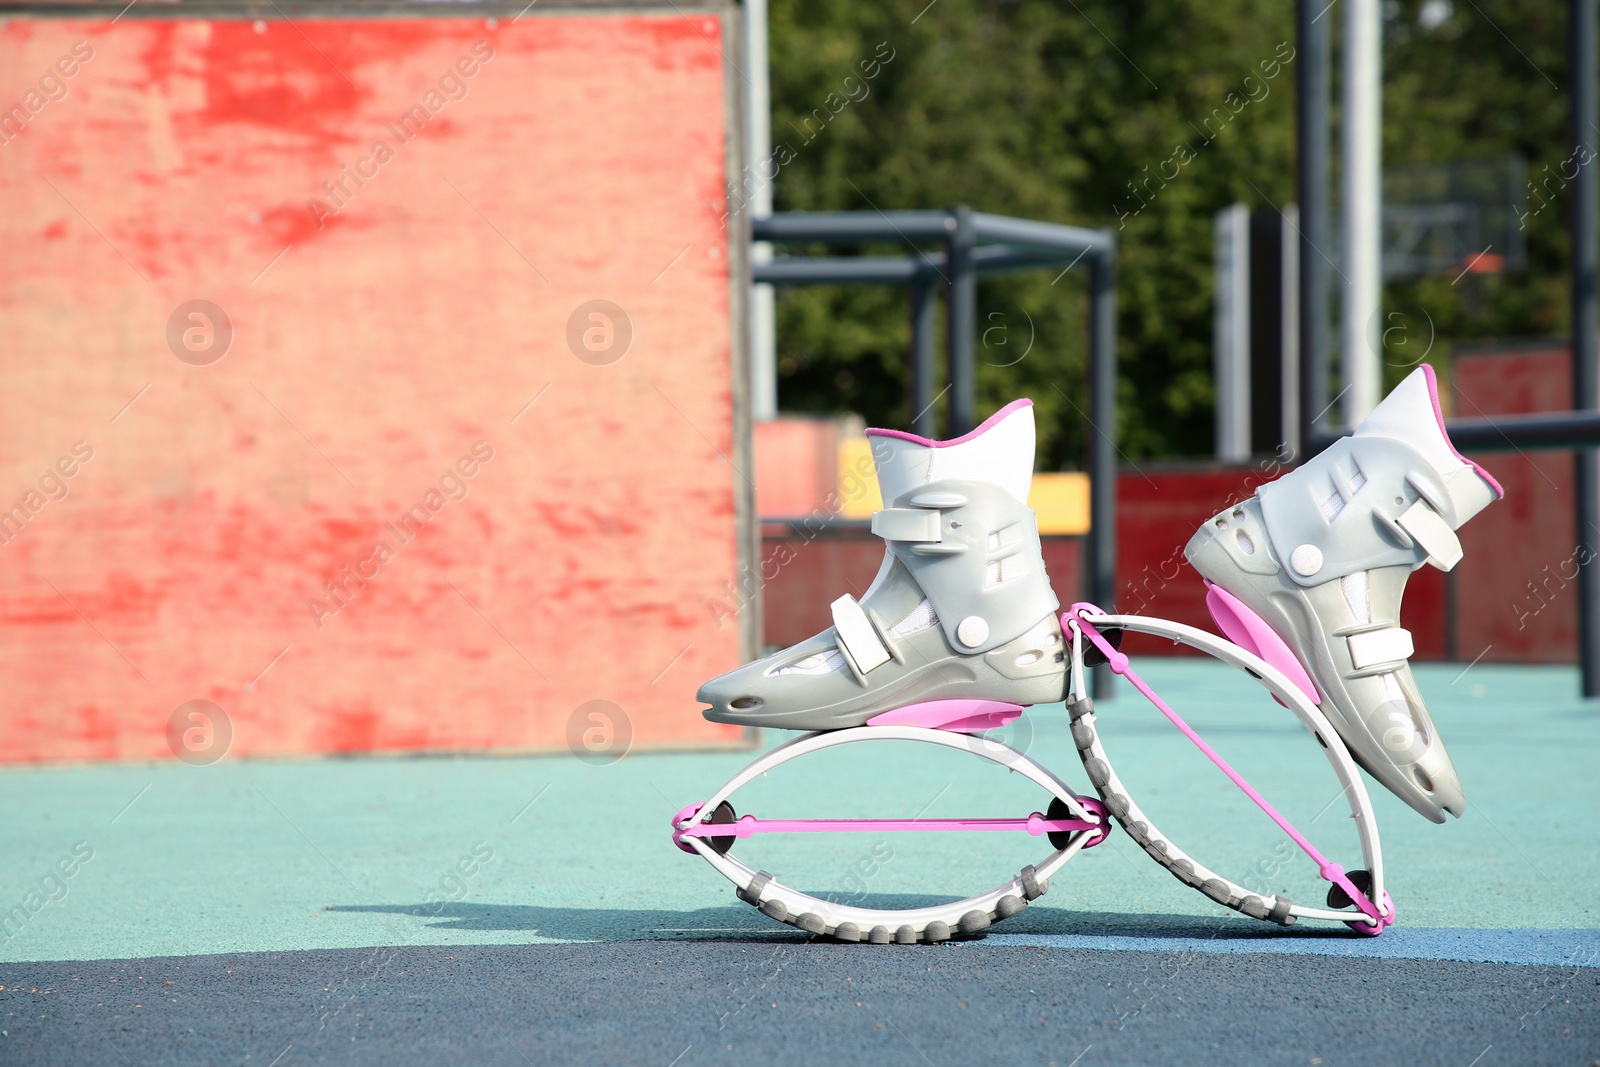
(962, 608)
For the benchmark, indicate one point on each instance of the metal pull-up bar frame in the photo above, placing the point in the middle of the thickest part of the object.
(974, 244)
(1578, 429)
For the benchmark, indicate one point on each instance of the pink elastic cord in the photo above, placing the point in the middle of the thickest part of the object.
(1036, 824)
(1329, 870)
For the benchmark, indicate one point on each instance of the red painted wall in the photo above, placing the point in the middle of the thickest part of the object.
(563, 160)
(797, 466)
(1514, 589)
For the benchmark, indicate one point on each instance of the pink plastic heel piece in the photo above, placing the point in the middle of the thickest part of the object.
(1326, 868)
(957, 716)
(1250, 632)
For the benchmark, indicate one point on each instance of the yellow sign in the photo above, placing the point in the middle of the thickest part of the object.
(1060, 499)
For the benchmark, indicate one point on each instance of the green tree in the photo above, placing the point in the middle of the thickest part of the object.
(1145, 118)
(1488, 79)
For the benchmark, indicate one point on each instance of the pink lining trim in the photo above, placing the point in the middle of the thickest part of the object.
(988, 424)
(1438, 414)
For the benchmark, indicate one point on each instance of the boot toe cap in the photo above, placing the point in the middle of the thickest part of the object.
(786, 690)
(1438, 786)
(734, 697)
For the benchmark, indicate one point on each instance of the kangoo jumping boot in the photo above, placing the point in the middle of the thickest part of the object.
(961, 608)
(1322, 556)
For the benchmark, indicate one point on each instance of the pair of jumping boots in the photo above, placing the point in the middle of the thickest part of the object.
(962, 609)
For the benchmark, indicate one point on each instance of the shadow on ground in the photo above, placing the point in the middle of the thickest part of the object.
(745, 923)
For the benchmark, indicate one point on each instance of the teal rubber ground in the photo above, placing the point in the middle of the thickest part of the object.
(272, 856)
(527, 911)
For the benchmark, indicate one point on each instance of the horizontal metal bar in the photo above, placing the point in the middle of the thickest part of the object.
(829, 270)
(1032, 234)
(847, 227)
(897, 270)
(843, 227)
(1505, 433)
(1000, 259)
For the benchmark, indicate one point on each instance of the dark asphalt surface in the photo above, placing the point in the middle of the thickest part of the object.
(793, 1001)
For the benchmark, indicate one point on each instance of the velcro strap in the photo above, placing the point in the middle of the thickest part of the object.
(1380, 646)
(857, 637)
(907, 524)
(1430, 531)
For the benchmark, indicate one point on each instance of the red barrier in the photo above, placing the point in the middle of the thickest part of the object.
(809, 570)
(1160, 508)
(1515, 597)
(397, 482)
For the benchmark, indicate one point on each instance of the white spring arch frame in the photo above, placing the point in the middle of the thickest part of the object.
(851, 923)
(972, 914)
(1122, 808)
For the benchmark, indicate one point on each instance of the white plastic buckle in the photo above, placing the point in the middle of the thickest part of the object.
(1428, 528)
(858, 638)
(1389, 645)
(907, 524)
